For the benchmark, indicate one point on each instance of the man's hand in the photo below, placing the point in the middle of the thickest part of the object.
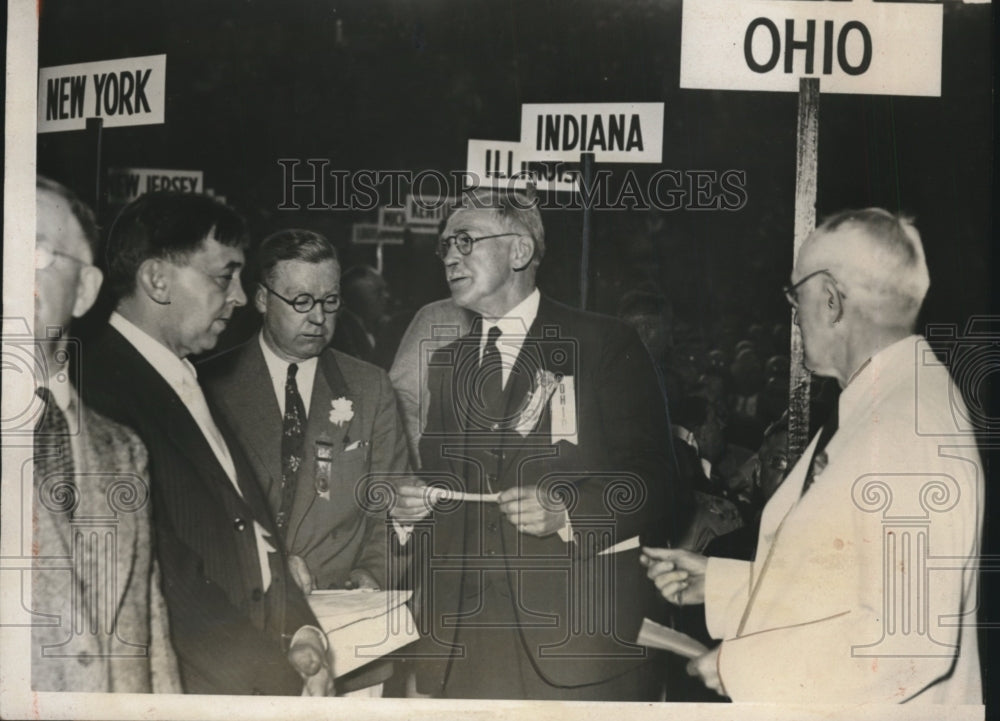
(679, 574)
(412, 501)
(300, 574)
(313, 661)
(362, 580)
(706, 667)
(523, 508)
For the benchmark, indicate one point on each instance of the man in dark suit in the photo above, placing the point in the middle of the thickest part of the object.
(285, 396)
(238, 622)
(553, 419)
(91, 530)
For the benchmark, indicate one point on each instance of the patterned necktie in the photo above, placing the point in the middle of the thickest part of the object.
(54, 456)
(292, 437)
(819, 460)
(491, 377)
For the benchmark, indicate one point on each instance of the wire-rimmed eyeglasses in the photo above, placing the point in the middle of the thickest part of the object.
(463, 242)
(303, 303)
(792, 291)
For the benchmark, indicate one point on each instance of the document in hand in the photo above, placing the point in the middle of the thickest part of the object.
(363, 625)
(654, 635)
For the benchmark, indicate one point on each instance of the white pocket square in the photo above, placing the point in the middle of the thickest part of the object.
(356, 445)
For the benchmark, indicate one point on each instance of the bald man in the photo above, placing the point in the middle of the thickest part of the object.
(840, 605)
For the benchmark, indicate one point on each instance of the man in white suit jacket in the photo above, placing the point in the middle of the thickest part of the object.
(864, 587)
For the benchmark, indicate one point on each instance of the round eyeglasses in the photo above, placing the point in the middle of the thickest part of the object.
(303, 303)
(792, 291)
(463, 242)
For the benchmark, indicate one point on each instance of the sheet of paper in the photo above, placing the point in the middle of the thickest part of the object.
(444, 494)
(627, 545)
(654, 635)
(337, 609)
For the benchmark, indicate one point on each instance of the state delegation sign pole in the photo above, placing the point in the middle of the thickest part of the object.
(806, 165)
(95, 129)
(587, 164)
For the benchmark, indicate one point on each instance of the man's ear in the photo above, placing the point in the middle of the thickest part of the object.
(153, 279)
(522, 252)
(833, 301)
(260, 299)
(87, 287)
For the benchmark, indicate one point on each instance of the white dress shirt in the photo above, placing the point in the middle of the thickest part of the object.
(513, 330)
(181, 376)
(277, 368)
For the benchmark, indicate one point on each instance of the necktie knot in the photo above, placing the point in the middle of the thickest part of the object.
(293, 368)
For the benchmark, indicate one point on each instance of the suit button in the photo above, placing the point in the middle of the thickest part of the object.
(491, 552)
(240, 525)
(491, 477)
(492, 527)
(256, 594)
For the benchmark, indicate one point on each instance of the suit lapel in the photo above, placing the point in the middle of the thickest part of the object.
(109, 496)
(252, 399)
(542, 352)
(173, 417)
(328, 385)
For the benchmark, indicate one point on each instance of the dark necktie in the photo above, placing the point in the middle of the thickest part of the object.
(292, 437)
(819, 460)
(491, 377)
(54, 456)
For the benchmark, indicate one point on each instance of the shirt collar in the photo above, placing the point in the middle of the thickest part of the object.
(61, 389)
(278, 367)
(871, 376)
(175, 371)
(517, 321)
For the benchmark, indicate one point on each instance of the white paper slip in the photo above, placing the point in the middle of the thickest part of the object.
(654, 635)
(444, 494)
(362, 627)
(627, 545)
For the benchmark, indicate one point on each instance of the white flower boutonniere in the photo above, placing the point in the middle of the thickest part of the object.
(341, 410)
(546, 383)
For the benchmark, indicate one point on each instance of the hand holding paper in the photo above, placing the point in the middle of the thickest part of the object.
(523, 508)
(679, 574)
(310, 655)
(706, 667)
(412, 501)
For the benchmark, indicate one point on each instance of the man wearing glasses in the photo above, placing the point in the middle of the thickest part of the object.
(548, 431)
(317, 423)
(81, 461)
(238, 622)
(864, 585)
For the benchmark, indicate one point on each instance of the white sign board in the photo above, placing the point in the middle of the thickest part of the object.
(127, 91)
(502, 164)
(614, 132)
(867, 48)
(126, 184)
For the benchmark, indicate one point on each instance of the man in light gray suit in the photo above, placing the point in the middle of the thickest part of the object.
(105, 623)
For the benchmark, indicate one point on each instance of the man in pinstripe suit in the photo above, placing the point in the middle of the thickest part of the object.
(238, 622)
